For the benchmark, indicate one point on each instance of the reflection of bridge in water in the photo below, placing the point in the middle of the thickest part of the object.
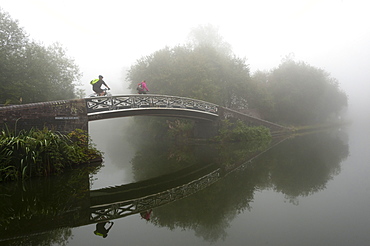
(117, 202)
(125, 200)
(121, 201)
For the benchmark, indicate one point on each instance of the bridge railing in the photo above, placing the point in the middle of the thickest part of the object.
(119, 209)
(98, 104)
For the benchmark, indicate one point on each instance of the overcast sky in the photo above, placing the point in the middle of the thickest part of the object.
(105, 36)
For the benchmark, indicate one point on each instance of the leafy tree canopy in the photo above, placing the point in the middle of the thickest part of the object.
(304, 94)
(293, 93)
(208, 35)
(30, 72)
(203, 71)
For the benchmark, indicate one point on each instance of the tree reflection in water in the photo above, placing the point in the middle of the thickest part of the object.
(41, 211)
(296, 167)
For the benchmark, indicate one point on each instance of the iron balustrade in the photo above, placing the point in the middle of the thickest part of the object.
(122, 102)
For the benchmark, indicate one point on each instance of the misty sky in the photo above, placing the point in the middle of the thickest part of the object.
(105, 36)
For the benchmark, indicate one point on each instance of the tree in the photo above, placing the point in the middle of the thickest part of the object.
(293, 93)
(30, 72)
(201, 71)
(50, 73)
(304, 94)
(260, 97)
(12, 40)
(208, 35)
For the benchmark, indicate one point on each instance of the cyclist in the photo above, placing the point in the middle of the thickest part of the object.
(142, 88)
(97, 83)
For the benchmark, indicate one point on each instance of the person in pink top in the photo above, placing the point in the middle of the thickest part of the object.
(142, 88)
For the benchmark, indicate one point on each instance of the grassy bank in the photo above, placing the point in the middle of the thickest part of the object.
(240, 132)
(43, 152)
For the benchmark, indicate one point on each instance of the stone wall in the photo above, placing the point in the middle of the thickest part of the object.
(63, 116)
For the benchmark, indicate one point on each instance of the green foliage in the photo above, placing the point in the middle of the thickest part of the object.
(84, 149)
(293, 93)
(260, 96)
(208, 35)
(240, 132)
(204, 71)
(302, 94)
(42, 152)
(30, 72)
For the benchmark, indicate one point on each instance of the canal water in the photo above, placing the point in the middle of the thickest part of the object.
(311, 189)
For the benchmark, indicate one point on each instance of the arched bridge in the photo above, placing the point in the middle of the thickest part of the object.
(160, 105)
(67, 115)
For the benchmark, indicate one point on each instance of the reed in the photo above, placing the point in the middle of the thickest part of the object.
(42, 152)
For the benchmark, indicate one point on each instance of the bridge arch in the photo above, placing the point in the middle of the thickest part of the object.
(150, 105)
(66, 115)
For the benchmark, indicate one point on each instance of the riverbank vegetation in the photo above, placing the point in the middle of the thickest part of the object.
(183, 131)
(240, 132)
(43, 153)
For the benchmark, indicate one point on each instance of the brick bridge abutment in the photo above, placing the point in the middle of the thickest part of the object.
(63, 116)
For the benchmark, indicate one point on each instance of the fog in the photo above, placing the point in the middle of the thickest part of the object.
(108, 37)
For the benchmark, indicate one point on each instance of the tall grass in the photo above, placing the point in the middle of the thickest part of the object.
(42, 152)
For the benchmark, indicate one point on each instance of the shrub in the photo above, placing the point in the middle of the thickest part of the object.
(239, 132)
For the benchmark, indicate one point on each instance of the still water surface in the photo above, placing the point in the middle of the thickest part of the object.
(308, 190)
